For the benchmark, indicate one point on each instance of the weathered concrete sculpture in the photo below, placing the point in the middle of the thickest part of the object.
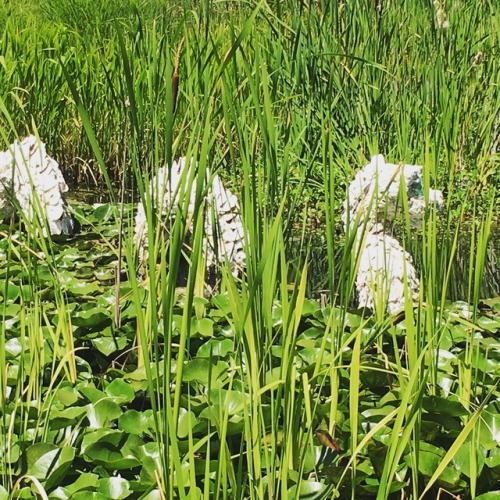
(32, 182)
(223, 227)
(385, 274)
(441, 16)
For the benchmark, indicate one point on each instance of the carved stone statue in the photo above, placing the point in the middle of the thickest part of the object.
(31, 181)
(385, 271)
(223, 228)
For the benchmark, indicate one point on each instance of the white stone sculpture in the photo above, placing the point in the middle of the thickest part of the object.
(385, 273)
(441, 17)
(223, 228)
(31, 181)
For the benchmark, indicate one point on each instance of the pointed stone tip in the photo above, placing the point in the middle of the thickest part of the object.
(378, 160)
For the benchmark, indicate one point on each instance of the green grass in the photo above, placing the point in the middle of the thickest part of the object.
(141, 393)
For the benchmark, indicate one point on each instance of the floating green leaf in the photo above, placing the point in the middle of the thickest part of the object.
(107, 345)
(91, 318)
(216, 347)
(204, 371)
(114, 488)
(309, 489)
(103, 212)
(443, 406)
(86, 482)
(120, 391)
(48, 462)
(102, 413)
(135, 422)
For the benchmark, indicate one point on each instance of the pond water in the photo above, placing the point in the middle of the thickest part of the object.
(318, 272)
(458, 287)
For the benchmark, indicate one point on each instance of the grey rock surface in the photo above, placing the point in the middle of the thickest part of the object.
(223, 227)
(31, 181)
(385, 274)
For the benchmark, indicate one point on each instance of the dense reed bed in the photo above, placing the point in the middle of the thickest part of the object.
(113, 387)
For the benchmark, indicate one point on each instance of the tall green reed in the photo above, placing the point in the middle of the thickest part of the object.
(281, 105)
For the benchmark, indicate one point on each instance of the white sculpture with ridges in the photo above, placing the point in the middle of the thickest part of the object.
(223, 228)
(385, 274)
(32, 181)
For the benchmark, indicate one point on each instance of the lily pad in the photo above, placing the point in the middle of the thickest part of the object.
(135, 422)
(442, 406)
(204, 371)
(108, 345)
(310, 489)
(48, 462)
(216, 347)
(102, 413)
(85, 482)
(103, 212)
(114, 488)
(91, 318)
(462, 459)
(120, 391)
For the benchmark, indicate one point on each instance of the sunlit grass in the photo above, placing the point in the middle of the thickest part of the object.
(285, 101)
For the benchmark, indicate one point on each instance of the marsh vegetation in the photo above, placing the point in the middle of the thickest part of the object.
(273, 386)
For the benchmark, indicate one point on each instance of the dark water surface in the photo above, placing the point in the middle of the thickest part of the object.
(458, 286)
(318, 271)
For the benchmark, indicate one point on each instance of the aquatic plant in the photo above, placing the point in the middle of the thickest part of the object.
(114, 387)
